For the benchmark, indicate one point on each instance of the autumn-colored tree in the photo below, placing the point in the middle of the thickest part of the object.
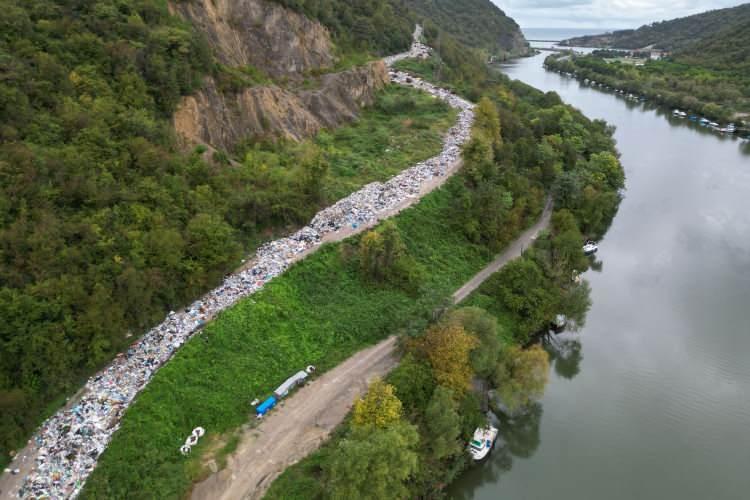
(379, 408)
(521, 375)
(484, 326)
(487, 121)
(448, 347)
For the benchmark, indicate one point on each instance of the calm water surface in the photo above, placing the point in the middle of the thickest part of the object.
(651, 400)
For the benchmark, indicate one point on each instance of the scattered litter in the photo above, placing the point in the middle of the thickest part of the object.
(70, 442)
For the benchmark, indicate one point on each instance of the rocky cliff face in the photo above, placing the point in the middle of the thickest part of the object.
(287, 46)
(261, 34)
(221, 121)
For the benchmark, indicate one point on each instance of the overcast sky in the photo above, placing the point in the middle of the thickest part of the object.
(603, 13)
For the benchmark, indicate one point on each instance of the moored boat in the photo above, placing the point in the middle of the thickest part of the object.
(590, 248)
(482, 442)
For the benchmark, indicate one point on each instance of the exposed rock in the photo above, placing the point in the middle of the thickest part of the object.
(261, 34)
(222, 120)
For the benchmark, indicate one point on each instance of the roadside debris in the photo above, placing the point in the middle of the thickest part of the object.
(69, 443)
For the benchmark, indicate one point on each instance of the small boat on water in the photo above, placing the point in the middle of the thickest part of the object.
(482, 442)
(679, 114)
(704, 121)
(590, 248)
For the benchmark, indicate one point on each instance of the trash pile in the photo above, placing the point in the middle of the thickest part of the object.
(70, 442)
(418, 50)
(192, 440)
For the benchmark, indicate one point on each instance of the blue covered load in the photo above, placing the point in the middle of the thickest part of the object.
(265, 406)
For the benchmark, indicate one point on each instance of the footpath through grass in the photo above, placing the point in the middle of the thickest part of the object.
(319, 312)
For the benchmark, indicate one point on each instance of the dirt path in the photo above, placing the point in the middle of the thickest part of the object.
(513, 251)
(307, 418)
(298, 427)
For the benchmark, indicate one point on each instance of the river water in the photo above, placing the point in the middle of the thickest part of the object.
(651, 399)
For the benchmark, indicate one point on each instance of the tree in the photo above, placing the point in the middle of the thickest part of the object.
(521, 375)
(447, 347)
(379, 408)
(383, 257)
(522, 289)
(443, 423)
(413, 383)
(374, 464)
(483, 326)
(487, 121)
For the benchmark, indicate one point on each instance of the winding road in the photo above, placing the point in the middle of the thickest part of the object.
(306, 419)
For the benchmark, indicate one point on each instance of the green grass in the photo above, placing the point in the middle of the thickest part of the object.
(319, 312)
(404, 126)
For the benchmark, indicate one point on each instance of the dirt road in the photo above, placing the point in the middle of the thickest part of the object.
(307, 418)
(513, 251)
(298, 427)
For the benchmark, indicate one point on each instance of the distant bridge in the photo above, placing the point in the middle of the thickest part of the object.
(546, 41)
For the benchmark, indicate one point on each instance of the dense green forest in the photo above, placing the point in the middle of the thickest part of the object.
(385, 26)
(380, 26)
(104, 225)
(707, 69)
(478, 24)
(719, 95)
(730, 28)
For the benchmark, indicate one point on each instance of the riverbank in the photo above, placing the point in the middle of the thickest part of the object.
(522, 299)
(719, 96)
(647, 400)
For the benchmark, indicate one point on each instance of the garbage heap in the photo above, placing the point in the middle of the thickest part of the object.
(69, 443)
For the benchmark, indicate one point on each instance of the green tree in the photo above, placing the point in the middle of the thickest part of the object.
(374, 464)
(523, 289)
(443, 424)
(484, 326)
(521, 375)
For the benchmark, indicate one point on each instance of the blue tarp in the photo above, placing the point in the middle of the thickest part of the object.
(265, 406)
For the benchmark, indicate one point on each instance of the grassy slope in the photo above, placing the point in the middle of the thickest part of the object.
(319, 312)
(388, 138)
(383, 141)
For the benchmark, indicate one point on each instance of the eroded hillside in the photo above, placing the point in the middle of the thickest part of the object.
(287, 47)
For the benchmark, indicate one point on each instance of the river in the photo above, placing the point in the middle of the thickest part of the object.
(651, 399)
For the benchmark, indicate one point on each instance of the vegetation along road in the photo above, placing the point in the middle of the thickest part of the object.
(513, 251)
(307, 418)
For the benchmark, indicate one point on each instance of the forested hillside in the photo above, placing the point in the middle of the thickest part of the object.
(475, 23)
(706, 70)
(381, 26)
(104, 224)
(718, 39)
(384, 26)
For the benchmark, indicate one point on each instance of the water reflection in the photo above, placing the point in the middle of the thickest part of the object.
(565, 355)
(519, 438)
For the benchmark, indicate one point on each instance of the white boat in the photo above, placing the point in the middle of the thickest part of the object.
(482, 442)
(590, 248)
